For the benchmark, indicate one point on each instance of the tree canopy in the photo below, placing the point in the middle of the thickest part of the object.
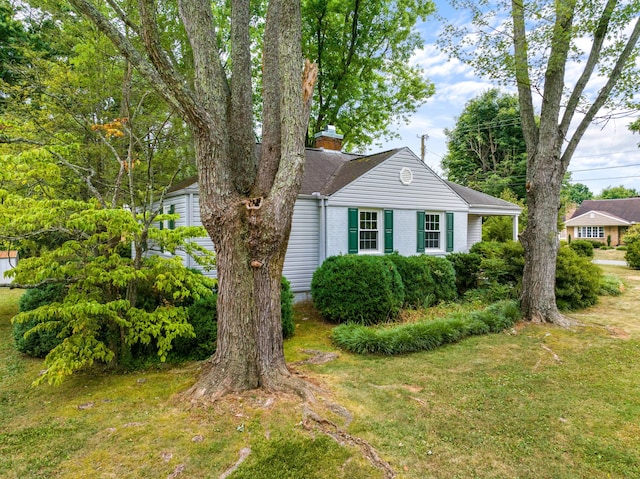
(365, 78)
(615, 192)
(578, 57)
(486, 149)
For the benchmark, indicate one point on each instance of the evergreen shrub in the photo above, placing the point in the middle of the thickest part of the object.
(362, 289)
(583, 248)
(577, 280)
(444, 277)
(425, 335)
(39, 342)
(467, 269)
(632, 247)
(419, 286)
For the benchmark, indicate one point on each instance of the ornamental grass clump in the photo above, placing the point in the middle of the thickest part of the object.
(359, 289)
(425, 335)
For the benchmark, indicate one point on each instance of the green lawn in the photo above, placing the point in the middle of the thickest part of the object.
(534, 402)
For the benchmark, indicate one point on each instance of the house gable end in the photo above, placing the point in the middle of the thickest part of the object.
(399, 180)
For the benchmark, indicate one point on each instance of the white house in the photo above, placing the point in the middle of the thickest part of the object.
(366, 204)
(8, 261)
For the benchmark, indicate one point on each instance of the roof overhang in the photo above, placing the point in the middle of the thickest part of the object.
(597, 218)
(493, 210)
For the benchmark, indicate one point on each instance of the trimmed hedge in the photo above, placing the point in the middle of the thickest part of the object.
(362, 289)
(427, 279)
(582, 247)
(426, 335)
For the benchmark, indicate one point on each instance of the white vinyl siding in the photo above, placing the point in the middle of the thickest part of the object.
(381, 188)
(303, 252)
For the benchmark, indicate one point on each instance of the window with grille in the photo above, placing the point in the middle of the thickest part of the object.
(591, 232)
(368, 231)
(432, 231)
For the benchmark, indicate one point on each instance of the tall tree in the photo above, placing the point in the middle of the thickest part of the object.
(365, 79)
(538, 45)
(615, 192)
(574, 193)
(246, 197)
(486, 149)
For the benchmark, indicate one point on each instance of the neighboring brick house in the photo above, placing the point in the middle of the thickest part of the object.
(604, 220)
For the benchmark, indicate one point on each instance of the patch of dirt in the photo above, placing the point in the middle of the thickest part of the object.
(618, 333)
(406, 387)
(318, 357)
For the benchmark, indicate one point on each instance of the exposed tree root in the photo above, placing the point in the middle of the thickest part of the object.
(313, 421)
(214, 384)
(557, 319)
(555, 356)
(244, 453)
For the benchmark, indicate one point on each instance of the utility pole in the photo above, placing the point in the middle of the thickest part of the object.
(423, 150)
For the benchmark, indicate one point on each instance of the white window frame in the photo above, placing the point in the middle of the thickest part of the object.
(590, 232)
(379, 219)
(440, 231)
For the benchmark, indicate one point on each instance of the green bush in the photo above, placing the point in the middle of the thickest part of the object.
(444, 277)
(583, 248)
(632, 246)
(501, 264)
(425, 335)
(417, 280)
(610, 286)
(577, 280)
(363, 289)
(467, 269)
(39, 342)
(203, 316)
(286, 308)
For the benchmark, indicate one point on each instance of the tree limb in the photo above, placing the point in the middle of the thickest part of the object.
(594, 55)
(179, 97)
(521, 64)
(603, 94)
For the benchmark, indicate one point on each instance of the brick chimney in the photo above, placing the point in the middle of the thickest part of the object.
(329, 139)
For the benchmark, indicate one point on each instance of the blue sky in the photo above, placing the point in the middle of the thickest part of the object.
(605, 154)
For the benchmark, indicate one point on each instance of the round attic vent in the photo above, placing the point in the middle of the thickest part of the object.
(406, 176)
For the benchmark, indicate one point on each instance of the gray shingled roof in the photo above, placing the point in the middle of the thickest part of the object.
(476, 198)
(625, 208)
(327, 171)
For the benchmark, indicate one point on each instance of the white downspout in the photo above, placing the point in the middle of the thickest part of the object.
(322, 250)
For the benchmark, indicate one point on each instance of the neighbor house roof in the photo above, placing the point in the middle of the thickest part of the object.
(624, 210)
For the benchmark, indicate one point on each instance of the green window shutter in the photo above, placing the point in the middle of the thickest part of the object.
(449, 232)
(353, 230)
(172, 223)
(420, 228)
(388, 231)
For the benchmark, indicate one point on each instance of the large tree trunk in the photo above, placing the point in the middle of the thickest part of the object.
(540, 238)
(249, 351)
